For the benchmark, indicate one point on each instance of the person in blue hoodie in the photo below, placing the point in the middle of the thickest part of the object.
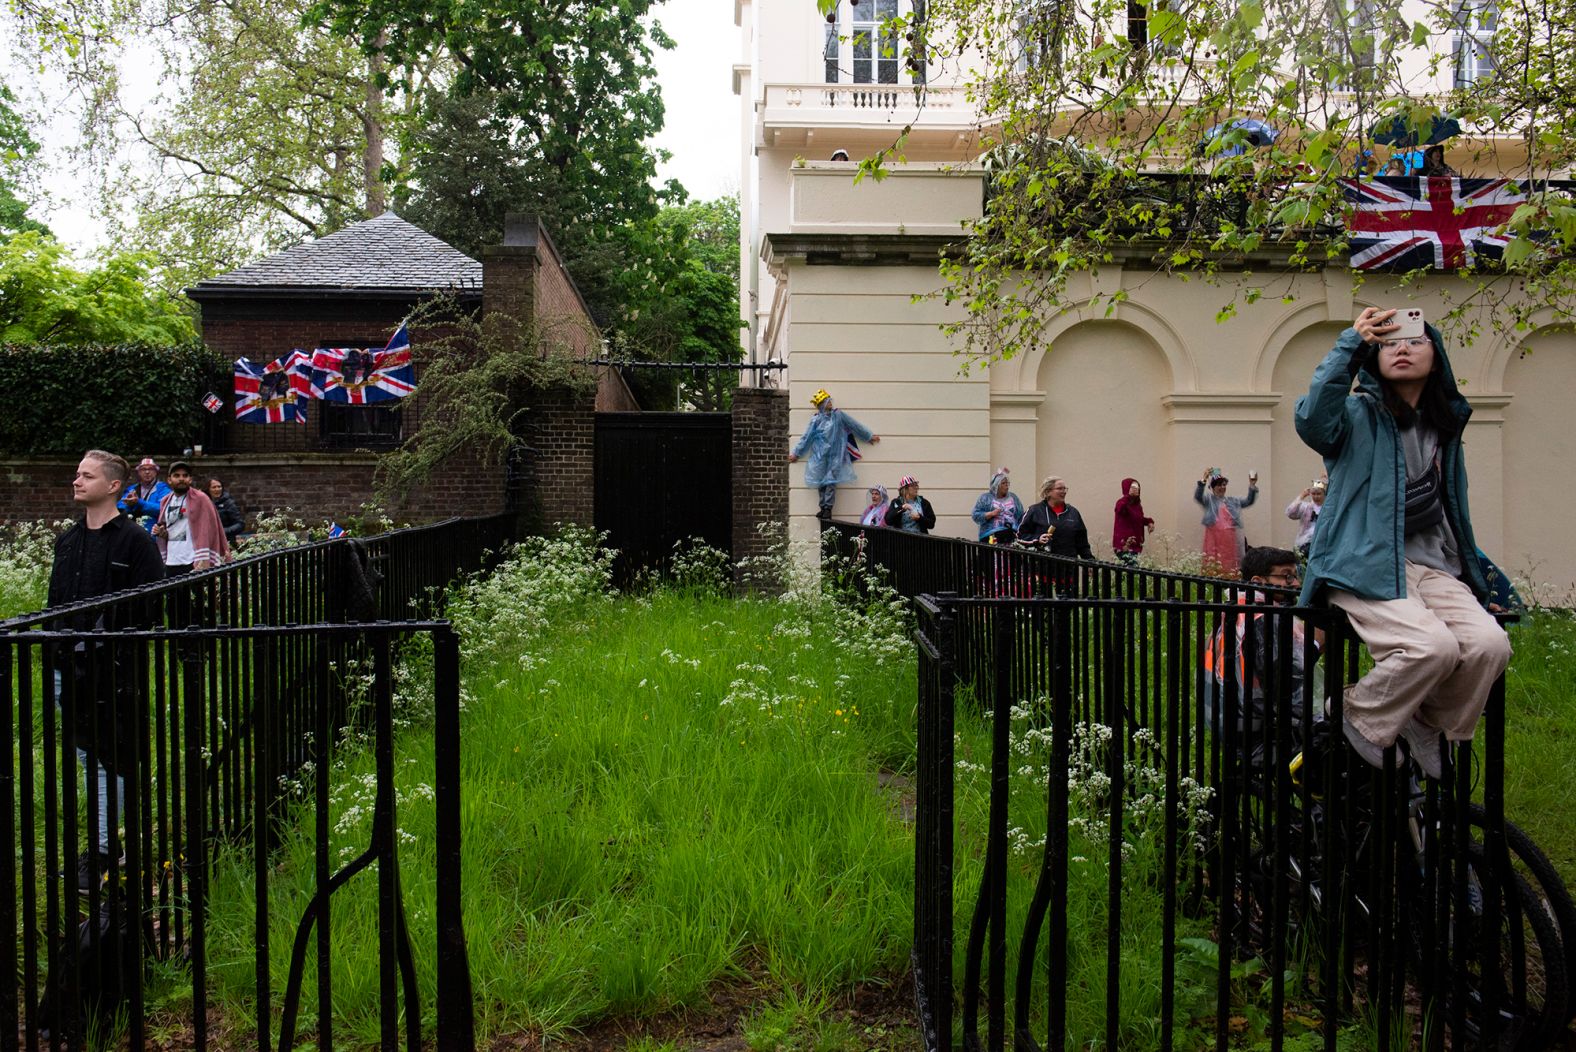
(142, 499)
(1395, 548)
(825, 443)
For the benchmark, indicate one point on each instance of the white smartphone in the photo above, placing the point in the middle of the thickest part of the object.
(1410, 320)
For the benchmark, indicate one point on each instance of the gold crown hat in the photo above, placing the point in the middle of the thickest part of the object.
(819, 397)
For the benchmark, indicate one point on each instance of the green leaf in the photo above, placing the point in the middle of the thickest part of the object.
(1518, 252)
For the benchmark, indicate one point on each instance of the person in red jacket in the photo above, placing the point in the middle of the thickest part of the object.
(1127, 535)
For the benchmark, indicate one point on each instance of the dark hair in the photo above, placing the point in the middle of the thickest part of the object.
(1433, 406)
(1258, 562)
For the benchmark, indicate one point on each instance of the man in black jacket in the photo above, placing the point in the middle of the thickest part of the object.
(104, 552)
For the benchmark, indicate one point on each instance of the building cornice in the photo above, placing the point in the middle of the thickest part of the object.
(856, 250)
(907, 250)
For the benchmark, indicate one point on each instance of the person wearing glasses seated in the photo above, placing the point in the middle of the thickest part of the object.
(1263, 648)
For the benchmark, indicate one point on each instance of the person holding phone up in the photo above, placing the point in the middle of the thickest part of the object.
(1394, 548)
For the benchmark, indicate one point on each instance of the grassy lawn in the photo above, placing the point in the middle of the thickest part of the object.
(1540, 735)
(661, 794)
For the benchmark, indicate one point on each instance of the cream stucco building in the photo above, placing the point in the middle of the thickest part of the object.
(1157, 390)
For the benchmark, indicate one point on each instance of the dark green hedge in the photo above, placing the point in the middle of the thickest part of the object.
(129, 400)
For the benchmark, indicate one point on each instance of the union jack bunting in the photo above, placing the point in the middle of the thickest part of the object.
(359, 377)
(273, 393)
(1443, 222)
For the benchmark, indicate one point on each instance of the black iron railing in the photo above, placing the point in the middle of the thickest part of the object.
(207, 724)
(1184, 735)
(917, 564)
(1220, 765)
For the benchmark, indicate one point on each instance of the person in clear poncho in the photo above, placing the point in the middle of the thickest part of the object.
(826, 448)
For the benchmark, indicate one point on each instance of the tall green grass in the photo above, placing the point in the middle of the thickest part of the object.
(1540, 734)
(659, 792)
(669, 790)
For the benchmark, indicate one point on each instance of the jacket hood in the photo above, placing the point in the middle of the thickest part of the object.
(1127, 484)
(1368, 377)
(883, 498)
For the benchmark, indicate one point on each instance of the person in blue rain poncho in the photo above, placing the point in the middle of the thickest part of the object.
(825, 446)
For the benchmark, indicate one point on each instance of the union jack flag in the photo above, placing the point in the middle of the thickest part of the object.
(273, 393)
(357, 377)
(1443, 222)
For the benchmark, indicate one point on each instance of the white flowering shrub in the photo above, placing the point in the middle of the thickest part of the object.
(27, 550)
(1168, 553)
(272, 531)
(695, 568)
(542, 580)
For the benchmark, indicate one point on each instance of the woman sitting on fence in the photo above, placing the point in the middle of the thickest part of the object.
(1394, 548)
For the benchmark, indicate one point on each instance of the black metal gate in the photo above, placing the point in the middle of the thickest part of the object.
(662, 478)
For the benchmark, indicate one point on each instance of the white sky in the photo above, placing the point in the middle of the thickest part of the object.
(701, 128)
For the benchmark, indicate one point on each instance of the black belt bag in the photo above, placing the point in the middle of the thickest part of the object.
(1425, 505)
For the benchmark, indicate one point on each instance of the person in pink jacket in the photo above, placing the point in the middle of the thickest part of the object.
(187, 527)
(1127, 535)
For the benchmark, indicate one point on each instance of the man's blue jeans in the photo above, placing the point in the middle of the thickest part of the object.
(99, 836)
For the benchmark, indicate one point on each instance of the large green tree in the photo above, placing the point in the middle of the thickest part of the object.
(679, 301)
(18, 150)
(44, 299)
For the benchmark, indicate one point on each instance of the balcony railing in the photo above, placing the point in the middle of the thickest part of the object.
(796, 105)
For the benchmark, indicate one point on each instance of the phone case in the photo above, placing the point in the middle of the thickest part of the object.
(1410, 320)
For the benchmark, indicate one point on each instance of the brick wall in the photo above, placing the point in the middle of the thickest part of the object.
(760, 466)
(313, 486)
(560, 476)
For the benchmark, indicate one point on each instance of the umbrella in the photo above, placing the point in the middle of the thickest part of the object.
(1254, 133)
(1398, 131)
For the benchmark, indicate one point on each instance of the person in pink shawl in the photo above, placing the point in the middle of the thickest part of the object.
(1224, 541)
(1127, 533)
(187, 527)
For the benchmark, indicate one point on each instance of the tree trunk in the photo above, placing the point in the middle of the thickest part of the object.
(372, 124)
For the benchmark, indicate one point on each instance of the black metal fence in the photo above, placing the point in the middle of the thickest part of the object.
(1146, 810)
(160, 731)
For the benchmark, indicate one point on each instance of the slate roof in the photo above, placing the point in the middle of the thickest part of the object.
(382, 255)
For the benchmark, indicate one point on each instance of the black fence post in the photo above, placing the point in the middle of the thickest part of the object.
(456, 1025)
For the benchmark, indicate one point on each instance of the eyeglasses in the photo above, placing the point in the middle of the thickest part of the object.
(1285, 578)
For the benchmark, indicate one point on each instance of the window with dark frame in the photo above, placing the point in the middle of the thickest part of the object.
(379, 426)
(859, 47)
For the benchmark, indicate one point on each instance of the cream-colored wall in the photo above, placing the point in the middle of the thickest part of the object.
(1539, 462)
(857, 333)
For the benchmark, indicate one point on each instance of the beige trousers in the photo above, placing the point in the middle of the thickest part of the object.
(1436, 654)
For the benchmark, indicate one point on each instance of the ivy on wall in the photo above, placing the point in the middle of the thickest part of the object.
(61, 400)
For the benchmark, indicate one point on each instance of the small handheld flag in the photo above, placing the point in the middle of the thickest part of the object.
(212, 402)
(336, 530)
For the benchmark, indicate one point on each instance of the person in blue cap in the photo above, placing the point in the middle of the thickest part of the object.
(826, 446)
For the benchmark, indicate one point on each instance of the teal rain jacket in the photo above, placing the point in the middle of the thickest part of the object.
(824, 447)
(1360, 546)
